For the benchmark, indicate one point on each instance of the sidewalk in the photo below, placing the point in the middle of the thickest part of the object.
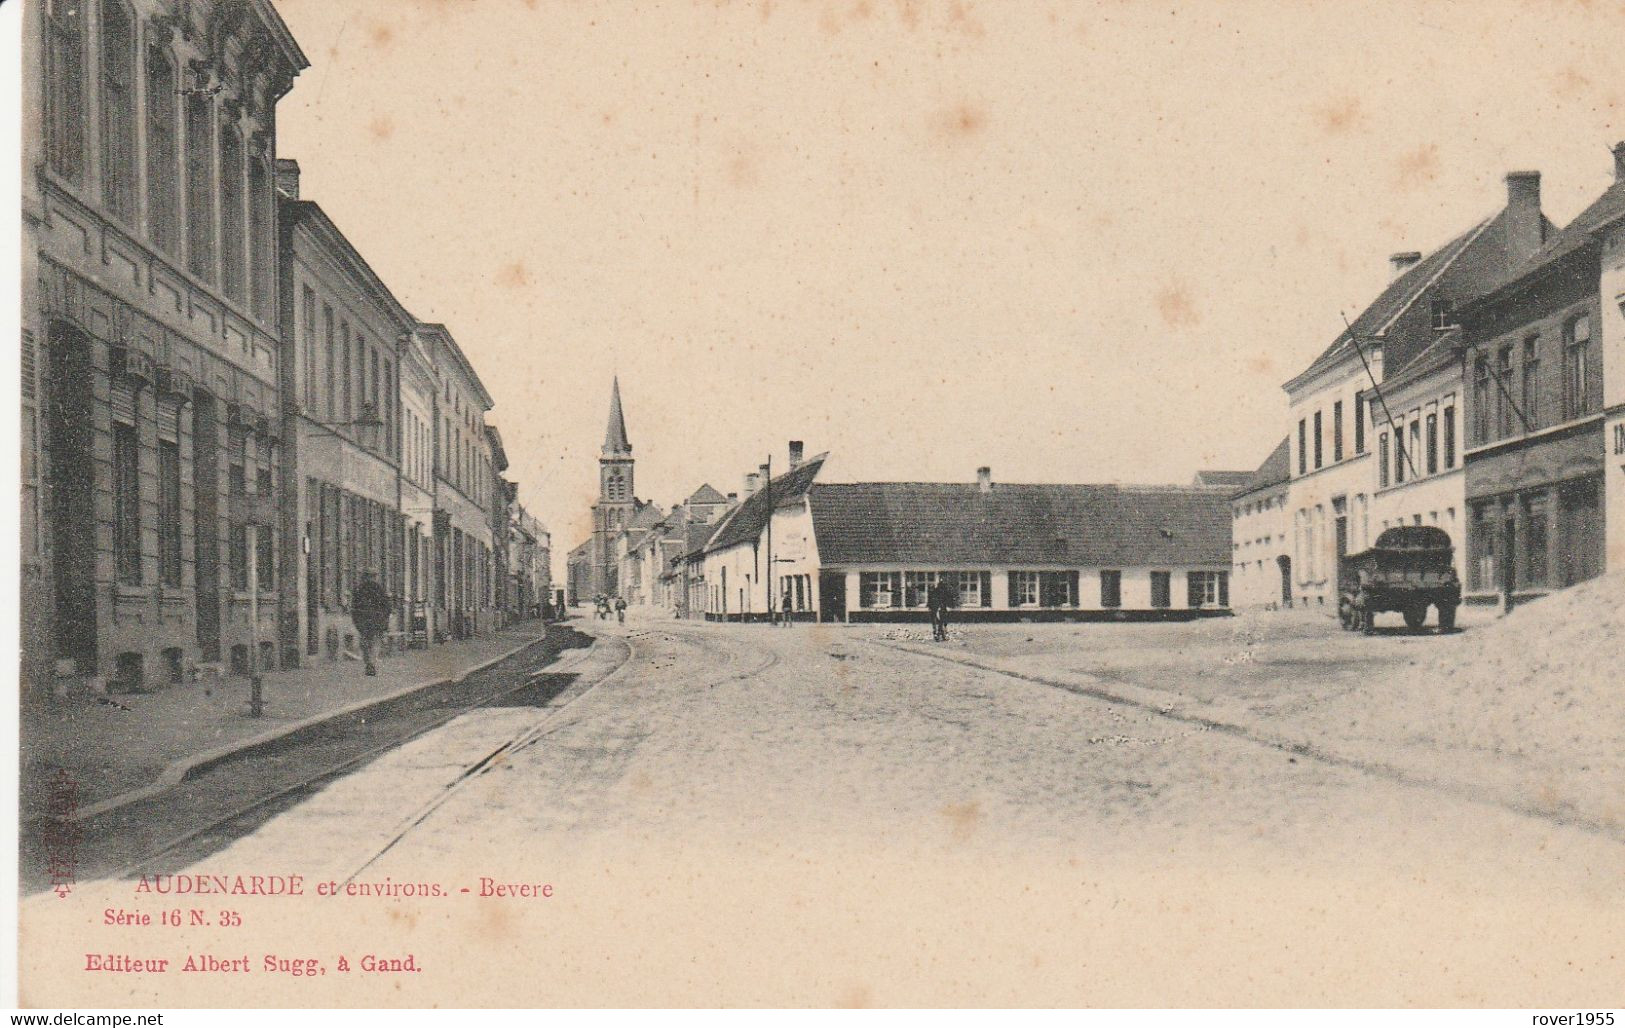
(134, 741)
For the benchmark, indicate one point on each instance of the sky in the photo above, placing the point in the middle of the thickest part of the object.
(1073, 242)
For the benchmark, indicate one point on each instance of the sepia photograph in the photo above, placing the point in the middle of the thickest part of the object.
(819, 504)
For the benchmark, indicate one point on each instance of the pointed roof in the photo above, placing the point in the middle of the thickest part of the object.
(1277, 468)
(705, 494)
(745, 522)
(615, 443)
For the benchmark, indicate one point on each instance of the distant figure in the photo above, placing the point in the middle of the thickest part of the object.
(620, 609)
(784, 607)
(369, 609)
(601, 605)
(939, 598)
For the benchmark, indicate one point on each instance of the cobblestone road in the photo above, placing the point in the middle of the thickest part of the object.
(745, 814)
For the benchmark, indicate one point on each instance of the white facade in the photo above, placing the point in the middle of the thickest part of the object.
(1422, 483)
(1260, 541)
(1329, 496)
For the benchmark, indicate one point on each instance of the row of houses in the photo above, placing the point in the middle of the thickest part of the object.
(228, 418)
(1483, 391)
(871, 551)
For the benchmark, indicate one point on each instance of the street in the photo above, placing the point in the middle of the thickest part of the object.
(808, 814)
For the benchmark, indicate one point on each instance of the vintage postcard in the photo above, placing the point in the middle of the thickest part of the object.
(815, 503)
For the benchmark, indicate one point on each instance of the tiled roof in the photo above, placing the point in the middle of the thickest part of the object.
(923, 524)
(1277, 468)
(1606, 209)
(746, 521)
(706, 494)
(1223, 478)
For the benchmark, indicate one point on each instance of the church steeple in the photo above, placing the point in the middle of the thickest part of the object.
(615, 444)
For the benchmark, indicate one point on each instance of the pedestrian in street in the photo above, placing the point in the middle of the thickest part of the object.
(620, 609)
(784, 607)
(369, 609)
(939, 597)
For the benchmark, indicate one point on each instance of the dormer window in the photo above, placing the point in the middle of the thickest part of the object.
(1444, 314)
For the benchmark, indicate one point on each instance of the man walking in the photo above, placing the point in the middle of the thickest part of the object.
(369, 609)
(620, 609)
(785, 607)
(939, 598)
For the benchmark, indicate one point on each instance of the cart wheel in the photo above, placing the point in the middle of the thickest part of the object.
(1414, 616)
(1447, 617)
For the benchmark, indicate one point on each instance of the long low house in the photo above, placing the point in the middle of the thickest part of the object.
(870, 551)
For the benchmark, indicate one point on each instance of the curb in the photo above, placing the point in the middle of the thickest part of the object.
(180, 770)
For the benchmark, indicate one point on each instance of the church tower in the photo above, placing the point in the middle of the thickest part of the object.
(616, 500)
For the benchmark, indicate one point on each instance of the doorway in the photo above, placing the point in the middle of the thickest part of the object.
(831, 596)
(1285, 564)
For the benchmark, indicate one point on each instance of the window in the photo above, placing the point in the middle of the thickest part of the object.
(1111, 588)
(1533, 569)
(1503, 392)
(1433, 443)
(126, 505)
(307, 326)
(119, 173)
(169, 514)
(265, 557)
(236, 472)
(1317, 439)
(1337, 431)
(1531, 372)
(1450, 437)
(1399, 454)
(1481, 400)
(1415, 447)
(878, 588)
(163, 153)
(1359, 422)
(332, 363)
(917, 587)
(65, 87)
(347, 411)
(232, 243)
(1023, 588)
(200, 188)
(1303, 447)
(1577, 356)
(237, 554)
(1443, 312)
(1382, 460)
(975, 588)
(1162, 589)
(1208, 588)
(261, 247)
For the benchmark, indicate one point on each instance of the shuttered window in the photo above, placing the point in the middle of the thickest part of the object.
(126, 505)
(1111, 588)
(169, 513)
(1161, 589)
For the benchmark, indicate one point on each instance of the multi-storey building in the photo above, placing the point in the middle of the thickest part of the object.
(1535, 439)
(344, 335)
(1261, 566)
(1611, 293)
(1334, 430)
(465, 484)
(150, 338)
(423, 620)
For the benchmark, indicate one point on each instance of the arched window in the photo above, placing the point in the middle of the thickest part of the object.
(163, 153)
(118, 111)
(261, 247)
(65, 87)
(231, 214)
(200, 187)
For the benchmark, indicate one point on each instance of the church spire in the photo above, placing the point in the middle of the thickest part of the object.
(615, 443)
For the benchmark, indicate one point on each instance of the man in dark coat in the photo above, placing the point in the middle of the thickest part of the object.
(369, 609)
(939, 598)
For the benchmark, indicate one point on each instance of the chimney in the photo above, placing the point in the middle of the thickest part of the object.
(1525, 228)
(753, 482)
(762, 474)
(984, 479)
(1403, 262)
(287, 177)
(796, 450)
(733, 499)
(1619, 161)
